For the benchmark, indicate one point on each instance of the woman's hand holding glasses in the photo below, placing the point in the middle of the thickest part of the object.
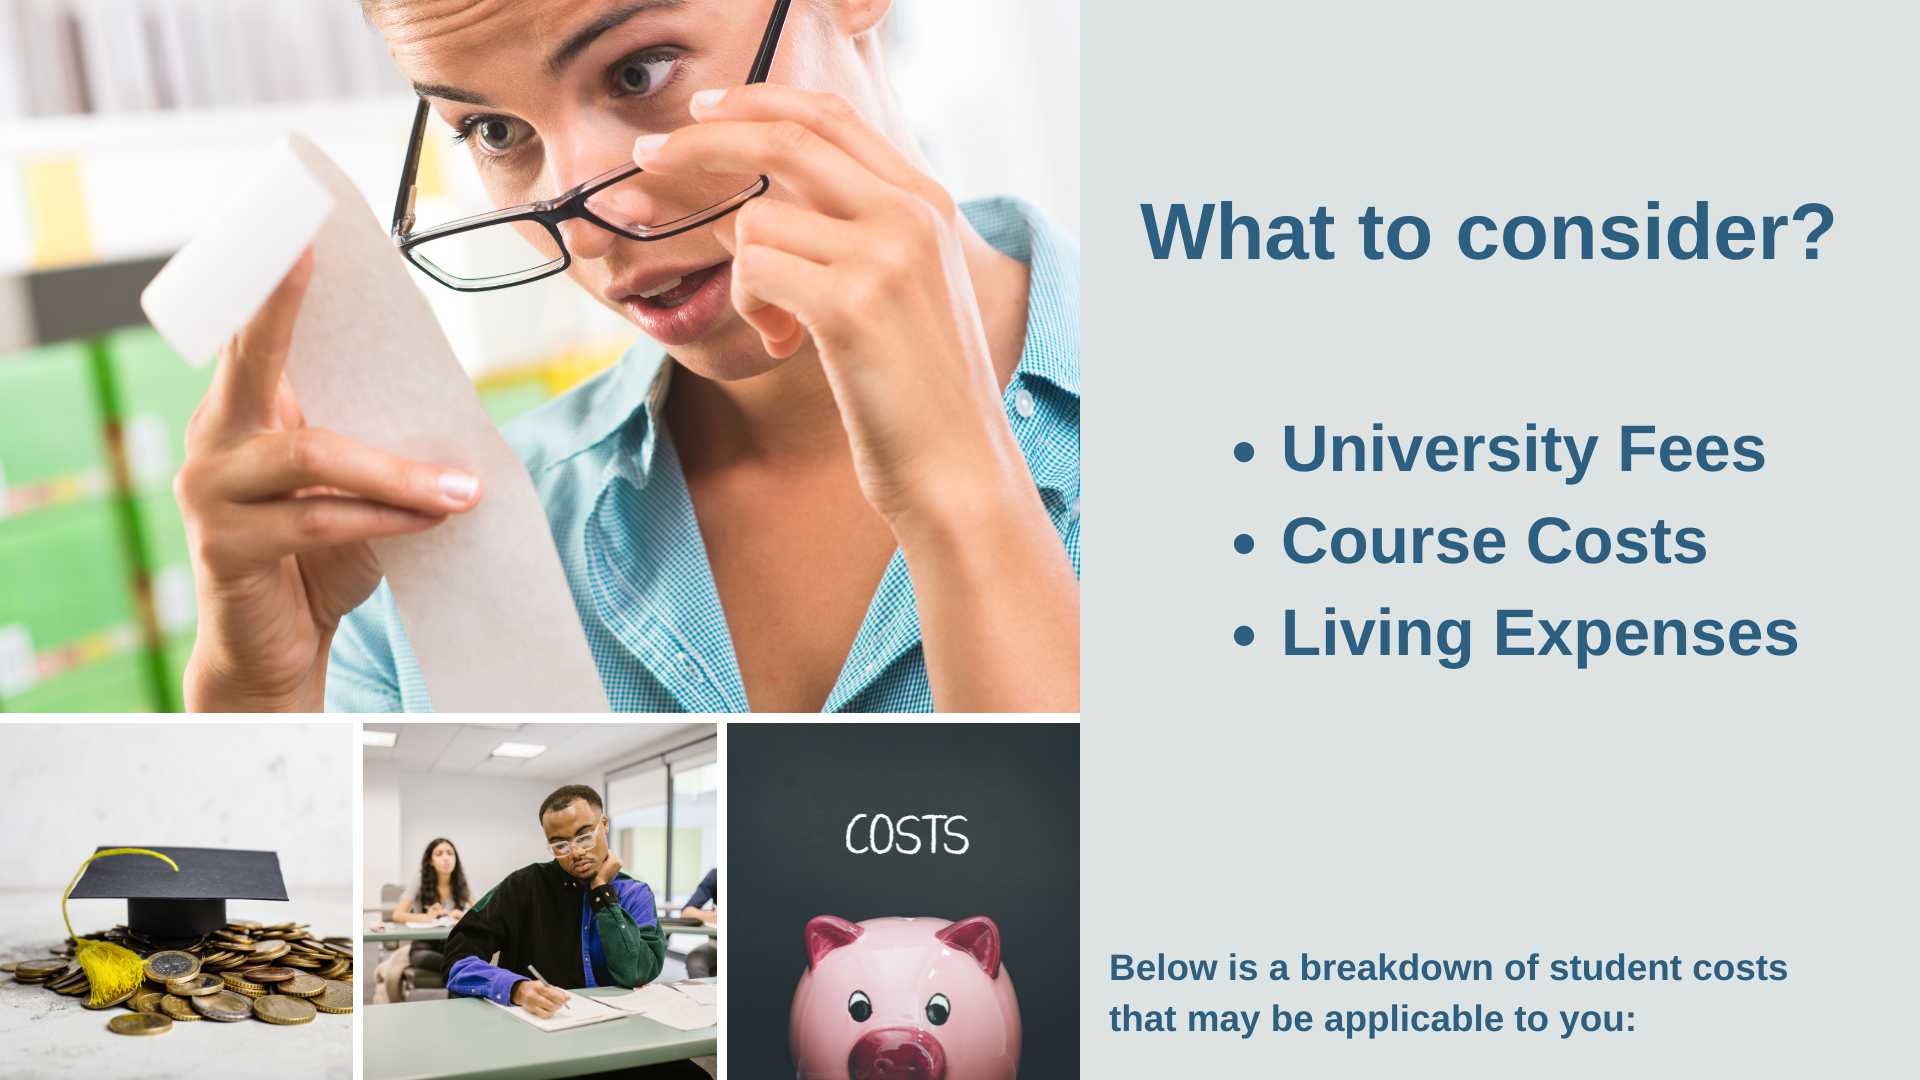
(870, 264)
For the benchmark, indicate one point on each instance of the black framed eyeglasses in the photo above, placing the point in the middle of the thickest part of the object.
(501, 248)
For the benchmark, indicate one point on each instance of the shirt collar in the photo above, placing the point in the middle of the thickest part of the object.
(635, 389)
(1018, 230)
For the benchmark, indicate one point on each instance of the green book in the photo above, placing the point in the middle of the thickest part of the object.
(53, 448)
(117, 685)
(66, 597)
(151, 394)
(173, 673)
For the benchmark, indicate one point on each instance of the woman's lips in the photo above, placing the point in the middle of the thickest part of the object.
(687, 312)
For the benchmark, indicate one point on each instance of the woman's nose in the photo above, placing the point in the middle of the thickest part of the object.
(585, 240)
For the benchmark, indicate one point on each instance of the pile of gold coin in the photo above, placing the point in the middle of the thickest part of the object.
(279, 974)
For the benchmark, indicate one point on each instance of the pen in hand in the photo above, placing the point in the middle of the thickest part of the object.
(542, 978)
(550, 988)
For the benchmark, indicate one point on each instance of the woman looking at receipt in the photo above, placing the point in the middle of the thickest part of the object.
(853, 483)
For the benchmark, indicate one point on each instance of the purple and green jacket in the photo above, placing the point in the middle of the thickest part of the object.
(543, 917)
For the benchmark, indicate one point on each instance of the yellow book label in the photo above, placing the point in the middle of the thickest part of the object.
(57, 210)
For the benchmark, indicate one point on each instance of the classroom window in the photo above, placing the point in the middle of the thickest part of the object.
(637, 807)
(696, 820)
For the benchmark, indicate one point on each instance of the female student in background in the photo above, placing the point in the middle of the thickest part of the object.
(853, 484)
(438, 888)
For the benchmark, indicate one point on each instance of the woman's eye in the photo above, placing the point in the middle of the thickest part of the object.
(497, 134)
(641, 75)
(859, 1007)
(938, 1009)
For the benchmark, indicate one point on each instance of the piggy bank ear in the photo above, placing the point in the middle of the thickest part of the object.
(826, 933)
(978, 938)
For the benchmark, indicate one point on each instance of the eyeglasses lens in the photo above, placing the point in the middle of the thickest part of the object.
(659, 90)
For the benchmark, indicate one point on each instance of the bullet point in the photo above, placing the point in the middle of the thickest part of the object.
(1243, 451)
(1243, 635)
(1243, 543)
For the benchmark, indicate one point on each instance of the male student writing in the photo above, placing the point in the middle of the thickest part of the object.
(577, 919)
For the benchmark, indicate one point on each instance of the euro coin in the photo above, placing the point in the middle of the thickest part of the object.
(178, 1008)
(165, 967)
(197, 985)
(237, 981)
(38, 970)
(275, 1009)
(121, 1000)
(274, 951)
(305, 986)
(9, 966)
(338, 998)
(267, 974)
(147, 1001)
(139, 1024)
(242, 924)
(228, 1008)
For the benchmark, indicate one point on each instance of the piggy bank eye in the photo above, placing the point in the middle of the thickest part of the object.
(938, 1009)
(859, 1007)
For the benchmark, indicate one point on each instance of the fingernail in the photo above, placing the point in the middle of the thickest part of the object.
(459, 486)
(650, 143)
(707, 99)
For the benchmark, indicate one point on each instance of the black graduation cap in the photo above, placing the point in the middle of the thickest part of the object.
(190, 902)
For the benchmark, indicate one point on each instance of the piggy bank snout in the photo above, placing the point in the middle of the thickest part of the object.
(897, 1053)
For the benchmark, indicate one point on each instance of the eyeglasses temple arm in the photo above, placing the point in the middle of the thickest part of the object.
(763, 61)
(409, 173)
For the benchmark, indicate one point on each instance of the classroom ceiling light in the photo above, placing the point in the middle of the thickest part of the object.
(518, 749)
(370, 737)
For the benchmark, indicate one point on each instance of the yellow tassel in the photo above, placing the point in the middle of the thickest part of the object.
(111, 969)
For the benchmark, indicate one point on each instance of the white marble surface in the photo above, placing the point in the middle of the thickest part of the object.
(44, 1034)
(73, 786)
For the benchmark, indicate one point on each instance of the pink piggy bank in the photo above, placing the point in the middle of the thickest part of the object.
(904, 999)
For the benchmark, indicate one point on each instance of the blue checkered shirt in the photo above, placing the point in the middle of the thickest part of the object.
(608, 475)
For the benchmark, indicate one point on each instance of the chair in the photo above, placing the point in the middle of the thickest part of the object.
(416, 983)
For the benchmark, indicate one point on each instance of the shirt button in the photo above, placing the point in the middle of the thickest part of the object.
(1073, 510)
(1023, 402)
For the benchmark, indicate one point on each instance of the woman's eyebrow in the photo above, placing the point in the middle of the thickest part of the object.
(588, 34)
(451, 93)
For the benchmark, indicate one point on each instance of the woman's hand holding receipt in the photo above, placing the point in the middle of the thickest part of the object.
(278, 515)
(870, 264)
(539, 998)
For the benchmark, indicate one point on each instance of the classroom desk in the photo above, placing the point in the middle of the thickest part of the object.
(471, 1039)
(709, 931)
(411, 933)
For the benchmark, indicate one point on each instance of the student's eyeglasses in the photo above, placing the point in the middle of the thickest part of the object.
(518, 244)
(582, 843)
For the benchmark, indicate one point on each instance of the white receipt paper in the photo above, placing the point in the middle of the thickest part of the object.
(485, 603)
(672, 1004)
